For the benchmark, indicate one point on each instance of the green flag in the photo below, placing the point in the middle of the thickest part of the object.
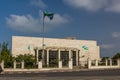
(29, 47)
(85, 48)
(48, 14)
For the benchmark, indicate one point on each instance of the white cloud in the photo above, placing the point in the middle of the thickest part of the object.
(116, 34)
(30, 24)
(91, 5)
(95, 5)
(38, 3)
(107, 46)
(23, 23)
(114, 6)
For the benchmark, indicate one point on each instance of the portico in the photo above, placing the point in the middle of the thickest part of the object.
(53, 56)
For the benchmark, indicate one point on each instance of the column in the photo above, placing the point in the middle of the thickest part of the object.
(47, 57)
(77, 57)
(70, 54)
(106, 62)
(96, 62)
(59, 60)
(110, 62)
(2, 65)
(71, 63)
(43, 56)
(40, 65)
(22, 66)
(60, 64)
(89, 63)
(118, 62)
(37, 55)
(14, 64)
(70, 60)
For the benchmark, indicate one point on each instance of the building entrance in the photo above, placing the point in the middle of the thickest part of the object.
(53, 58)
(65, 58)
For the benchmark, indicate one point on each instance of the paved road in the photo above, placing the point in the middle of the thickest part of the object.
(74, 75)
(61, 78)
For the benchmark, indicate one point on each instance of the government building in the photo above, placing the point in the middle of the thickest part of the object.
(53, 50)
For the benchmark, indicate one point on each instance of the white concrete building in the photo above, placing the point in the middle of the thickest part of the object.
(56, 50)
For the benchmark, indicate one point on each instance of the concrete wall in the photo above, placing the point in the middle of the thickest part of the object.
(20, 45)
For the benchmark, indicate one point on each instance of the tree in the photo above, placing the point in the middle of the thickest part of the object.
(6, 55)
(19, 58)
(104, 58)
(28, 59)
(116, 56)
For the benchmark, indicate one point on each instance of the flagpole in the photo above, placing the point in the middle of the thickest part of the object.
(43, 39)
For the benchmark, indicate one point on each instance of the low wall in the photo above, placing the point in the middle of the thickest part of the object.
(39, 68)
(103, 67)
(106, 66)
(35, 70)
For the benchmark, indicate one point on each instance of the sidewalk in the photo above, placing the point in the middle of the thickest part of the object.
(36, 70)
(11, 71)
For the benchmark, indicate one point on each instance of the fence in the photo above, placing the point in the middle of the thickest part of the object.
(22, 66)
(90, 64)
(108, 63)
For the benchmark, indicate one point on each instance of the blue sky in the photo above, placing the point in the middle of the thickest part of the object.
(84, 19)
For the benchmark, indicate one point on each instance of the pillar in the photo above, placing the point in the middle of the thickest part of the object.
(2, 65)
(59, 60)
(60, 64)
(118, 62)
(70, 60)
(71, 64)
(96, 62)
(89, 63)
(40, 65)
(106, 62)
(43, 54)
(14, 64)
(77, 57)
(47, 57)
(110, 62)
(70, 54)
(37, 55)
(22, 66)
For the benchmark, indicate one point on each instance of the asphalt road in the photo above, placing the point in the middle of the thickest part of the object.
(113, 74)
(60, 78)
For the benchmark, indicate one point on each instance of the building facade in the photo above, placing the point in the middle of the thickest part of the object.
(56, 50)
